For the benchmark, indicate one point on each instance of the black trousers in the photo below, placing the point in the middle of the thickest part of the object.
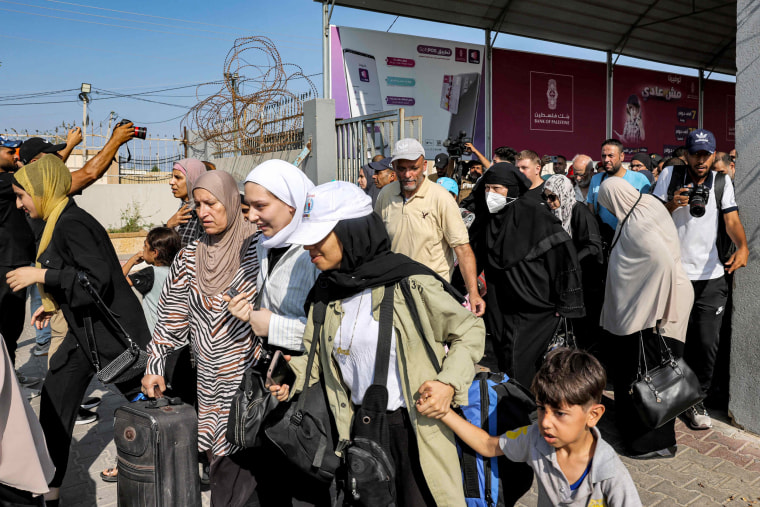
(232, 481)
(12, 497)
(637, 437)
(65, 385)
(703, 334)
(11, 313)
(411, 487)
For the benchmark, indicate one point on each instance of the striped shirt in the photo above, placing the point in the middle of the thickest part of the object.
(221, 343)
(283, 292)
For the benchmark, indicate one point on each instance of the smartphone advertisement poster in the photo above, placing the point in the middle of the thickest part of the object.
(439, 80)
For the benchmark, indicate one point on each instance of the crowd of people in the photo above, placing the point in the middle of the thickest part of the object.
(478, 271)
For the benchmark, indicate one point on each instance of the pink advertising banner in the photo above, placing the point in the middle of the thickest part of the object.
(548, 104)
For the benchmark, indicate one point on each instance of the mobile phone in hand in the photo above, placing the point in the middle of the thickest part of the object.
(232, 292)
(279, 372)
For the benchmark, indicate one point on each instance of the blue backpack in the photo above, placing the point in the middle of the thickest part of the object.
(496, 404)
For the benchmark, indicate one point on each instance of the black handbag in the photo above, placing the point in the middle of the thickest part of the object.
(125, 366)
(370, 472)
(564, 336)
(305, 433)
(661, 393)
(251, 404)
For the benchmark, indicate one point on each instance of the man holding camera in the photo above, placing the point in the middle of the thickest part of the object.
(704, 210)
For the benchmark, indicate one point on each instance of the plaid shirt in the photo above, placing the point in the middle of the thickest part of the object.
(191, 230)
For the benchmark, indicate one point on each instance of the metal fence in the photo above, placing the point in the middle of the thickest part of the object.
(361, 138)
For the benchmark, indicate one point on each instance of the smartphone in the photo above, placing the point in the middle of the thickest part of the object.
(232, 292)
(363, 84)
(279, 371)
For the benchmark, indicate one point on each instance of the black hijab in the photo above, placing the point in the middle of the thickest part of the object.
(504, 174)
(367, 262)
(522, 230)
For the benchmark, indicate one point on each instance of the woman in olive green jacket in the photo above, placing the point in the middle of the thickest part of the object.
(348, 243)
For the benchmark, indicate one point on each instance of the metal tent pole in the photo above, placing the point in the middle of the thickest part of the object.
(489, 95)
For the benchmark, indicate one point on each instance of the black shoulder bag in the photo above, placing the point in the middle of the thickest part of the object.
(251, 402)
(125, 366)
(306, 432)
(370, 472)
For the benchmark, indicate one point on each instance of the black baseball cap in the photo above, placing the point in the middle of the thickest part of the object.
(36, 145)
(381, 165)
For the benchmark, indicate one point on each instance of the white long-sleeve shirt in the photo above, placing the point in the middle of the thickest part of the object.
(283, 292)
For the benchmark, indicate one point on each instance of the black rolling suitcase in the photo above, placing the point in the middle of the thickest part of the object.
(157, 446)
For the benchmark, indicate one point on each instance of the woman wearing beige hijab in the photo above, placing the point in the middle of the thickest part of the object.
(192, 308)
(646, 287)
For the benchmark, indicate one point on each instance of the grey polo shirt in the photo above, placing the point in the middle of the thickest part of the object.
(608, 483)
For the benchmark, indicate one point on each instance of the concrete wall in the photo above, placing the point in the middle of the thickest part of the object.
(745, 346)
(319, 125)
(239, 167)
(107, 202)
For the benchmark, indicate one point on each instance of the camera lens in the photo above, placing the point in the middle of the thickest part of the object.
(141, 132)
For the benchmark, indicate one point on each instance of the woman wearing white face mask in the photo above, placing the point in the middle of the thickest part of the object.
(531, 271)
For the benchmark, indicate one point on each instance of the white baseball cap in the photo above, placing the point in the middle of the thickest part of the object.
(407, 149)
(326, 205)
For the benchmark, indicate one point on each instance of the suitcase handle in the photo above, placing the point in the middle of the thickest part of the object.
(163, 402)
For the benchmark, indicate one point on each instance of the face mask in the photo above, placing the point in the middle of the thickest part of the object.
(495, 202)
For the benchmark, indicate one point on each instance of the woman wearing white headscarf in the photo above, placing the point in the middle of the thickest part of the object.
(276, 193)
(583, 228)
(646, 287)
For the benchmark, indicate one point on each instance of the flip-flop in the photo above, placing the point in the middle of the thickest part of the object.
(109, 474)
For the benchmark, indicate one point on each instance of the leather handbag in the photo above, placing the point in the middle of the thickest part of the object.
(305, 433)
(125, 366)
(564, 336)
(251, 404)
(661, 393)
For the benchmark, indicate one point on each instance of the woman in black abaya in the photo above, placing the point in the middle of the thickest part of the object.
(531, 270)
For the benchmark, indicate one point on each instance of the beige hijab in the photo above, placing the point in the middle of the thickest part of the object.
(646, 282)
(219, 255)
(24, 460)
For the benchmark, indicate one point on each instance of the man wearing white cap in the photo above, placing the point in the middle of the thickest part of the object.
(423, 221)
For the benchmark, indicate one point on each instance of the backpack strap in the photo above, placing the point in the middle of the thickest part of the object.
(719, 184)
(384, 337)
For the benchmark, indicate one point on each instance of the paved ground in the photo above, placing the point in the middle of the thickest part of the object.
(720, 466)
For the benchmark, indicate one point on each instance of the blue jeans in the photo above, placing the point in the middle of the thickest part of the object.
(43, 335)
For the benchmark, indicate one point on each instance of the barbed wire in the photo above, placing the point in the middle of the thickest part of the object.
(256, 97)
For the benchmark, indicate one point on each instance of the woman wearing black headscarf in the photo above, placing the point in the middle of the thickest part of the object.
(348, 243)
(531, 270)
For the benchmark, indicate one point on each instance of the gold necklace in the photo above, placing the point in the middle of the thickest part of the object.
(341, 350)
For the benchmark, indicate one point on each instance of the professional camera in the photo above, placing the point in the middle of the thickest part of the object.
(140, 132)
(456, 146)
(698, 197)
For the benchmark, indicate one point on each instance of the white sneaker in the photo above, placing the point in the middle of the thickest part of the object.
(697, 417)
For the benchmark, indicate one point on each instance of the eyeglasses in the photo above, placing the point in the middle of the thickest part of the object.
(550, 197)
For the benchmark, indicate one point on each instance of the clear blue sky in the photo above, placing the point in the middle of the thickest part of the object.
(143, 46)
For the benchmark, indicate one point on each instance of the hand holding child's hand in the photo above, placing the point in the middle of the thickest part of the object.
(435, 399)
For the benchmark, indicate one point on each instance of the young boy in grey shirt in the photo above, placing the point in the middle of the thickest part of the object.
(573, 464)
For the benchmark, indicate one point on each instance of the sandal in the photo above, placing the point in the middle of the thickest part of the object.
(109, 474)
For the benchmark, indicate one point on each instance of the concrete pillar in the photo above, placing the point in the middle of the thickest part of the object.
(745, 346)
(319, 125)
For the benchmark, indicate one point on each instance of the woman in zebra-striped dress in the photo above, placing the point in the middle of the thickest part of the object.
(191, 308)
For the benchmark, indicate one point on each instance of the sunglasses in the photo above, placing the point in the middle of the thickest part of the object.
(550, 197)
